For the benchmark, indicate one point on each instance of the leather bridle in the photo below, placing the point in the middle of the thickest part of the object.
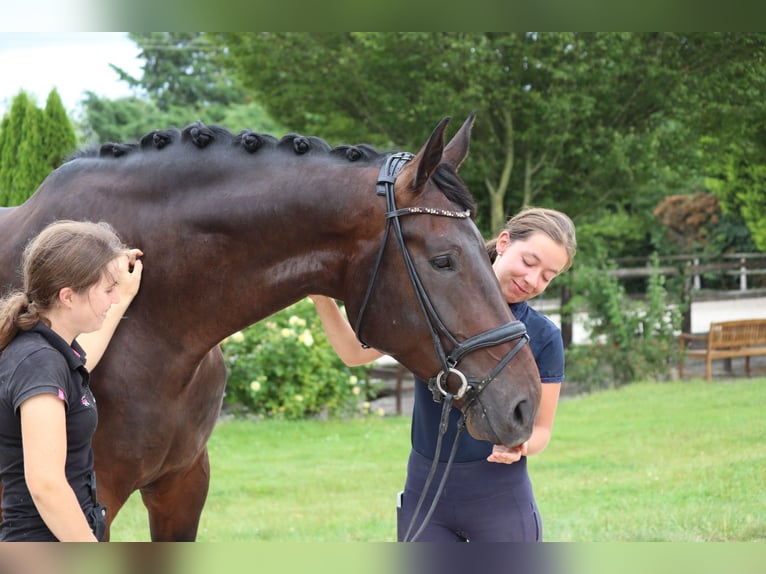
(513, 330)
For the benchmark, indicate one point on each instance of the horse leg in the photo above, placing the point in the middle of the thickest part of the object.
(113, 502)
(175, 502)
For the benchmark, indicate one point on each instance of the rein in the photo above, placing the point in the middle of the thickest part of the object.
(470, 388)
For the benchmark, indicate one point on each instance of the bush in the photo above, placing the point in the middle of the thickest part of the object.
(630, 340)
(284, 367)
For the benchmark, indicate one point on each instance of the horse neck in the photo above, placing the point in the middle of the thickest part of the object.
(285, 236)
(226, 242)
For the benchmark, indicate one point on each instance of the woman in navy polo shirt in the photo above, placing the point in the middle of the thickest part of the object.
(488, 496)
(77, 279)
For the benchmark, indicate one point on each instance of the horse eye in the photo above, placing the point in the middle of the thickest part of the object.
(442, 263)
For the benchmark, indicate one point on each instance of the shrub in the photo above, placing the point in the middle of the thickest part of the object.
(284, 367)
(630, 340)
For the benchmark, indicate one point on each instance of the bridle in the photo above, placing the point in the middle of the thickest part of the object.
(469, 387)
(513, 330)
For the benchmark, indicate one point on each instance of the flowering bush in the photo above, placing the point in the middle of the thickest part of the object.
(284, 366)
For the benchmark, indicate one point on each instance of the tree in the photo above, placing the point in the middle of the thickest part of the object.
(592, 123)
(33, 142)
(182, 81)
(181, 70)
(4, 135)
(32, 158)
(753, 206)
(59, 139)
(128, 119)
(737, 176)
(688, 220)
(120, 120)
(12, 136)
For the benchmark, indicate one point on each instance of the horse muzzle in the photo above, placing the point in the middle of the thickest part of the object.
(509, 426)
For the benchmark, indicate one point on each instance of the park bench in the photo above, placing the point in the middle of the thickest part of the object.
(725, 340)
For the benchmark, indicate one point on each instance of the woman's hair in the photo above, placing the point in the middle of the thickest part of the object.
(73, 254)
(551, 222)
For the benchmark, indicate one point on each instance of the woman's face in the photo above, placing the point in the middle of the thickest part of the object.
(93, 304)
(526, 268)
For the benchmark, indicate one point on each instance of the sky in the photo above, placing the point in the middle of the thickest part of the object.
(72, 62)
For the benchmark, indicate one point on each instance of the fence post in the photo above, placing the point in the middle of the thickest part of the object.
(743, 274)
(686, 322)
(566, 315)
(697, 281)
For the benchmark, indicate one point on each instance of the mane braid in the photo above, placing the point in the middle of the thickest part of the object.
(361, 152)
(201, 135)
(251, 141)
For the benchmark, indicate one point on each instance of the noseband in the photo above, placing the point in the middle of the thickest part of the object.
(470, 388)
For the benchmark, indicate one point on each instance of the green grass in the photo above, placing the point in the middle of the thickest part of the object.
(672, 462)
(682, 461)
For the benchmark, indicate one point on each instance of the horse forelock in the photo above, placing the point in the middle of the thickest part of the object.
(451, 184)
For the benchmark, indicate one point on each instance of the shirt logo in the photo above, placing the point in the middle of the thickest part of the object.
(84, 401)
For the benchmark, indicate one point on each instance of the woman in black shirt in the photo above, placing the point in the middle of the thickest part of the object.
(78, 278)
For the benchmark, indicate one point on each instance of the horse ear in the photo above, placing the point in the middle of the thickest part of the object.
(457, 149)
(429, 156)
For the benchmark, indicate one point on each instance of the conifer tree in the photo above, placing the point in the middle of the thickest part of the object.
(33, 142)
(32, 162)
(12, 134)
(59, 139)
(4, 135)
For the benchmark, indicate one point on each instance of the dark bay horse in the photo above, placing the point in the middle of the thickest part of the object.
(237, 227)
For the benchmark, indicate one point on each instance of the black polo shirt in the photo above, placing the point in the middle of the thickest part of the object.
(39, 361)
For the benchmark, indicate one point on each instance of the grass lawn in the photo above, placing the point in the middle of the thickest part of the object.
(681, 461)
(684, 461)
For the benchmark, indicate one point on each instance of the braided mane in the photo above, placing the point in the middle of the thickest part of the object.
(202, 136)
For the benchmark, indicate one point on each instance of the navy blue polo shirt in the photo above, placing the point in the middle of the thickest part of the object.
(36, 362)
(548, 349)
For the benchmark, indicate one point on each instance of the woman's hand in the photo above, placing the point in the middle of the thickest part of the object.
(128, 282)
(131, 268)
(506, 455)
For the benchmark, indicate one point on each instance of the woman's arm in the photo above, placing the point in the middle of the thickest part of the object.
(341, 335)
(95, 343)
(541, 433)
(43, 435)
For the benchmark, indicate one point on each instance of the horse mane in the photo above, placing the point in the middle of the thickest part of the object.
(201, 136)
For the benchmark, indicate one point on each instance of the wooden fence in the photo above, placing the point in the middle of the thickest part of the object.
(748, 269)
(706, 278)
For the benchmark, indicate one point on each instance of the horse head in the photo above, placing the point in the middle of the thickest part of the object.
(432, 281)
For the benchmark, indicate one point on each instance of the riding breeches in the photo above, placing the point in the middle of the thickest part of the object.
(481, 502)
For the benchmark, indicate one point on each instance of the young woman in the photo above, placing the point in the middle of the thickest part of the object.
(78, 278)
(488, 496)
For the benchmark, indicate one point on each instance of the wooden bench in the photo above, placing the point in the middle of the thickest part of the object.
(725, 340)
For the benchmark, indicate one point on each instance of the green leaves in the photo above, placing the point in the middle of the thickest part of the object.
(589, 123)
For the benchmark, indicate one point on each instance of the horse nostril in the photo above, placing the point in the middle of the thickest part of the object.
(522, 413)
